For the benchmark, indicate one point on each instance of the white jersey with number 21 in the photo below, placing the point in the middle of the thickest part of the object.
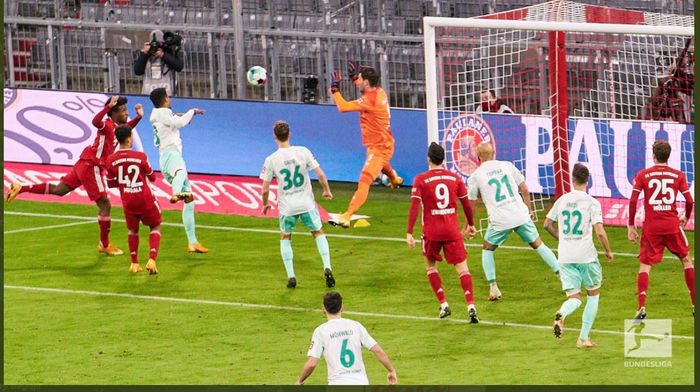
(340, 342)
(497, 182)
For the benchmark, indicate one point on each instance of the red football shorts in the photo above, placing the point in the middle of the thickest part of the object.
(150, 218)
(88, 175)
(651, 249)
(454, 251)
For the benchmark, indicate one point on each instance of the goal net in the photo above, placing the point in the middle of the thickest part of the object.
(584, 83)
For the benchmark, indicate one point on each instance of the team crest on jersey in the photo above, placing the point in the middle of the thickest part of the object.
(460, 140)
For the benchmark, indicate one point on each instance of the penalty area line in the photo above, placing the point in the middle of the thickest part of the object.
(254, 230)
(299, 309)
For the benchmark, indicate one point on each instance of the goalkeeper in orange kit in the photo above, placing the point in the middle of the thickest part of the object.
(373, 106)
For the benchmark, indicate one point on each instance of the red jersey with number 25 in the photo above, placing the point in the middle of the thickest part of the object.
(438, 191)
(128, 170)
(661, 185)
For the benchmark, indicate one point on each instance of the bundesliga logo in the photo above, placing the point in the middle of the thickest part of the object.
(462, 136)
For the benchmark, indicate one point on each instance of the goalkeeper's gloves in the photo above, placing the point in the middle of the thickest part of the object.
(336, 76)
(353, 71)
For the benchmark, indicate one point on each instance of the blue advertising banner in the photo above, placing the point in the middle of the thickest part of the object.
(234, 137)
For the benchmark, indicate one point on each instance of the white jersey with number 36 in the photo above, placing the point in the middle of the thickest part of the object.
(497, 183)
(340, 342)
(291, 166)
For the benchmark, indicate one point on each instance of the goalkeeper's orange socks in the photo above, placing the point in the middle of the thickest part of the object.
(358, 199)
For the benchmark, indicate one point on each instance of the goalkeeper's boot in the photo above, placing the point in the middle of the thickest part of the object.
(151, 267)
(585, 343)
(135, 267)
(110, 250)
(444, 310)
(187, 197)
(640, 316)
(197, 248)
(330, 280)
(494, 293)
(558, 325)
(343, 221)
(473, 319)
(13, 192)
(292, 283)
(397, 182)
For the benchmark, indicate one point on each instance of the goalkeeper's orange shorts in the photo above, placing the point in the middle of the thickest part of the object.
(377, 157)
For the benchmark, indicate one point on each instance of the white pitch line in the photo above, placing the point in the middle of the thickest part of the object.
(298, 309)
(47, 227)
(252, 230)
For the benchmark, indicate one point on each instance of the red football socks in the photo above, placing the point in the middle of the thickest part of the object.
(466, 281)
(436, 284)
(36, 188)
(642, 286)
(105, 223)
(134, 247)
(154, 244)
(690, 282)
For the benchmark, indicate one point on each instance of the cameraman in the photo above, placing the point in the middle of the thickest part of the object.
(158, 62)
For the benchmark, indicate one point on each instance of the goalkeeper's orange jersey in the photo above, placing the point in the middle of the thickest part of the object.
(374, 116)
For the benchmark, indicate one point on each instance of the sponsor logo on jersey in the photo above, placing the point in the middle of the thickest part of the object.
(460, 140)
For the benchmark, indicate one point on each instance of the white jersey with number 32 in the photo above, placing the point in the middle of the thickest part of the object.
(340, 342)
(291, 166)
(497, 182)
(576, 213)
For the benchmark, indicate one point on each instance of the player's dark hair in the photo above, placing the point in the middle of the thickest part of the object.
(121, 101)
(436, 153)
(662, 150)
(371, 75)
(122, 133)
(158, 97)
(281, 131)
(580, 174)
(492, 92)
(332, 301)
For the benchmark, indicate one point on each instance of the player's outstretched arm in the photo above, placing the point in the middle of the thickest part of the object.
(384, 359)
(324, 183)
(551, 229)
(97, 120)
(139, 115)
(306, 371)
(603, 238)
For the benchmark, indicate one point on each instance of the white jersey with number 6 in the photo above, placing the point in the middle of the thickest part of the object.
(575, 213)
(497, 182)
(291, 166)
(340, 342)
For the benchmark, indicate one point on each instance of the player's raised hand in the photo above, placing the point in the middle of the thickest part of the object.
(139, 109)
(336, 77)
(327, 195)
(410, 241)
(266, 208)
(199, 111)
(391, 377)
(113, 101)
(353, 71)
(632, 234)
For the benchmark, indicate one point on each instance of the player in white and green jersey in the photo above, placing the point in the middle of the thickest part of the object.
(166, 135)
(295, 200)
(498, 183)
(340, 341)
(577, 214)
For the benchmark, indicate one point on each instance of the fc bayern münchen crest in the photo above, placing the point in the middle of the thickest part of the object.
(460, 140)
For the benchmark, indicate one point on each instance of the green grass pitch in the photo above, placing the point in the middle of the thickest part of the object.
(192, 323)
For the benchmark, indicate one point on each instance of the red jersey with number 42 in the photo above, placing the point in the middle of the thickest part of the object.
(128, 170)
(438, 191)
(660, 185)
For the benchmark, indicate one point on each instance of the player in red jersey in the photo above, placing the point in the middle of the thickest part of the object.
(436, 191)
(88, 170)
(128, 170)
(662, 227)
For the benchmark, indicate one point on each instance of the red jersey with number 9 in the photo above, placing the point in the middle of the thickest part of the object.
(438, 191)
(661, 185)
(129, 170)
